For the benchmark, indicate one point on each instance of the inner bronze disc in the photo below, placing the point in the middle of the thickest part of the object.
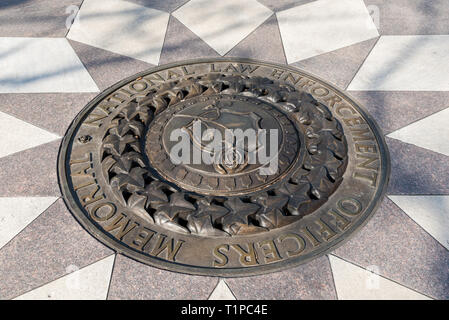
(148, 169)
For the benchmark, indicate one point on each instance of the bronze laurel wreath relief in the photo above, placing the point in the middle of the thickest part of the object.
(312, 165)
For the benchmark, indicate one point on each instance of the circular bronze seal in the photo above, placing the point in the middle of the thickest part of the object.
(224, 167)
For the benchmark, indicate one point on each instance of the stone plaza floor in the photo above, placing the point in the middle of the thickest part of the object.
(391, 56)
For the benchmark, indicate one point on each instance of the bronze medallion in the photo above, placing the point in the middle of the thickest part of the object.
(324, 172)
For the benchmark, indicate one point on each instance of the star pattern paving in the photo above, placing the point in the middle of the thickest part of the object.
(403, 248)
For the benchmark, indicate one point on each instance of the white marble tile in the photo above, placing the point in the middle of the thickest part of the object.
(88, 283)
(355, 283)
(406, 63)
(222, 292)
(222, 24)
(17, 213)
(430, 212)
(323, 26)
(31, 65)
(431, 132)
(121, 27)
(17, 135)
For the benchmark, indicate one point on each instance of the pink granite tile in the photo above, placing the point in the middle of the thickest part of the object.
(43, 18)
(137, 281)
(105, 67)
(400, 17)
(278, 5)
(51, 111)
(31, 172)
(182, 44)
(48, 248)
(401, 250)
(264, 43)
(396, 109)
(339, 66)
(415, 170)
(163, 5)
(308, 281)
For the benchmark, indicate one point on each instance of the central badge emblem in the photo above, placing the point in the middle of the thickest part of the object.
(223, 167)
(233, 142)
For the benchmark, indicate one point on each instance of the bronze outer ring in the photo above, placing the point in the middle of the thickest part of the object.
(120, 248)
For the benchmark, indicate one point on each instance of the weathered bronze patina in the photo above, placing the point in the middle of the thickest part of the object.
(224, 218)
